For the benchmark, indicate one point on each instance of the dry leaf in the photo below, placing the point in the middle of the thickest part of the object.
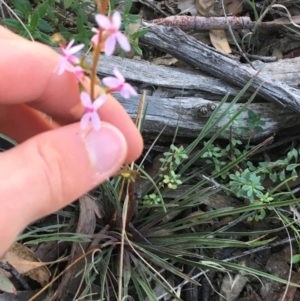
(166, 60)
(209, 8)
(232, 287)
(276, 52)
(219, 40)
(291, 291)
(6, 285)
(187, 6)
(25, 262)
(133, 28)
(233, 7)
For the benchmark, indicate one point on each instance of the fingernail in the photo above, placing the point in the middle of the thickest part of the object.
(107, 149)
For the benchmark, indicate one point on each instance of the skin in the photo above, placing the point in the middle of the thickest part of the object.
(55, 161)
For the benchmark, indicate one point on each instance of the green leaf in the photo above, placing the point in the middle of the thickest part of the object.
(67, 3)
(6, 285)
(45, 26)
(133, 18)
(45, 38)
(13, 24)
(251, 114)
(273, 176)
(34, 19)
(138, 34)
(128, 7)
(294, 174)
(80, 26)
(295, 153)
(282, 175)
(291, 166)
(296, 258)
(23, 6)
(113, 3)
(43, 9)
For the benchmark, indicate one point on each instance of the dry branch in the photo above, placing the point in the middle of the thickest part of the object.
(196, 23)
(191, 115)
(188, 49)
(203, 91)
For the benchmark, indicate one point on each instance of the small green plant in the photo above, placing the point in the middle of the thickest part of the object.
(40, 20)
(255, 122)
(168, 178)
(31, 22)
(246, 184)
(244, 179)
(129, 19)
(152, 199)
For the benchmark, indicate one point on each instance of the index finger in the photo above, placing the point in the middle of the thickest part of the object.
(27, 76)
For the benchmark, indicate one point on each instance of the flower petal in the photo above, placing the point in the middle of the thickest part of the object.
(111, 82)
(99, 101)
(118, 75)
(61, 67)
(85, 120)
(96, 121)
(69, 46)
(110, 45)
(103, 21)
(116, 20)
(95, 39)
(124, 93)
(123, 41)
(130, 89)
(76, 48)
(78, 72)
(73, 59)
(86, 100)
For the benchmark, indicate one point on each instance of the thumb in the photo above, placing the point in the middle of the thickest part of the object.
(47, 172)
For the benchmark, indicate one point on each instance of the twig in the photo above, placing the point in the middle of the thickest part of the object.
(196, 23)
(154, 7)
(284, 241)
(11, 269)
(186, 48)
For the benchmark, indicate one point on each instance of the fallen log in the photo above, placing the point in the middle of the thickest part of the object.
(189, 112)
(190, 115)
(186, 48)
(178, 96)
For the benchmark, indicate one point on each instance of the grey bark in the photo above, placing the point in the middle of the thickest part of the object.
(185, 97)
(192, 113)
(186, 48)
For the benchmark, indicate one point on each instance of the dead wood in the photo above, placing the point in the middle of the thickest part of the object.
(171, 82)
(185, 97)
(189, 50)
(196, 23)
(192, 113)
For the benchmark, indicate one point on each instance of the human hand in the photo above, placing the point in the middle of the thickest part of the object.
(55, 162)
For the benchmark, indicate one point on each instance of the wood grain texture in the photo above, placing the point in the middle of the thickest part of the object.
(186, 48)
(178, 96)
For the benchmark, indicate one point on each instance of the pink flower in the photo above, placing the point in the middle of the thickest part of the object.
(95, 37)
(78, 72)
(91, 110)
(68, 57)
(118, 84)
(111, 27)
